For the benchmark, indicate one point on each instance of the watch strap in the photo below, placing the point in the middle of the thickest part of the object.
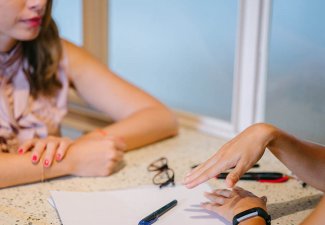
(250, 213)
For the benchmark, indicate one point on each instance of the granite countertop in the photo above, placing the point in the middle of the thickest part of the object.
(288, 203)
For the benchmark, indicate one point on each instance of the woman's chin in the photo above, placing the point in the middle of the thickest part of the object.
(28, 35)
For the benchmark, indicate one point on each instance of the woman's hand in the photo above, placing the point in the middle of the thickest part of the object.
(229, 203)
(95, 156)
(242, 152)
(48, 149)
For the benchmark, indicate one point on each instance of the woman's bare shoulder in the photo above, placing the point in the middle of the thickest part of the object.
(76, 60)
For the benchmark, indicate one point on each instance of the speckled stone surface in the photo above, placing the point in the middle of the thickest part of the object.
(288, 202)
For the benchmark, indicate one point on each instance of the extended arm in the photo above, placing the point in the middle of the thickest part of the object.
(305, 159)
(229, 203)
(18, 169)
(86, 157)
(317, 217)
(140, 119)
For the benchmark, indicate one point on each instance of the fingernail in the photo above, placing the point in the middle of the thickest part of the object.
(58, 157)
(264, 198)
(34, 159)
(229, 184)
(46, 163)
(20, 151)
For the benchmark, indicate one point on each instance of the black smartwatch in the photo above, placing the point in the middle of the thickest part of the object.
(250, 213)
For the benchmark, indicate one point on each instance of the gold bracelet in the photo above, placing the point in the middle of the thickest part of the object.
(42, 176)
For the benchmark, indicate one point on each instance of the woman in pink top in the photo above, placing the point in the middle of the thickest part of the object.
(36, 70)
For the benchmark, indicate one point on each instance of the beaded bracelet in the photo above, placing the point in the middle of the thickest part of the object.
(104, 133)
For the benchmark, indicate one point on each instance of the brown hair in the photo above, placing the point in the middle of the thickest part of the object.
(43, 55)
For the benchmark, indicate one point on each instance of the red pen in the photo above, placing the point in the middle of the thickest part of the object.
(269, 177)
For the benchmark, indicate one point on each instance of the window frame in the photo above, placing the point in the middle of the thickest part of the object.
(249, 86)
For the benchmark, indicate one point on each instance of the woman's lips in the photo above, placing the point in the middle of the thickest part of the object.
(33, 22)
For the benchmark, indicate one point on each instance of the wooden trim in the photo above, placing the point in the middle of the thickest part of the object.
(85, 119)
(95, 28)
(208, 125)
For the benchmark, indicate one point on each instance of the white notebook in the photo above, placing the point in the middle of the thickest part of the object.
(129, 206)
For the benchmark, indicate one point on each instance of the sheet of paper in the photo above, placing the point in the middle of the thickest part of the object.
(129, 206)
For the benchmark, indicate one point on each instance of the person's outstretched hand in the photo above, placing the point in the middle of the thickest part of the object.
(229, 203)
(242, 152)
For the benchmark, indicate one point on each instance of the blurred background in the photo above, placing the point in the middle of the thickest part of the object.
(221, 65)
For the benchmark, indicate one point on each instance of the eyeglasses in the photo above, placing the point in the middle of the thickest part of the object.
(165, 175)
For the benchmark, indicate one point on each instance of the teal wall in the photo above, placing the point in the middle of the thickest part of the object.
(68, 15)
(296, 76)
(180, 51)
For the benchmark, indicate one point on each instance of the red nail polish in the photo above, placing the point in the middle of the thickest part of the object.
(34, 159)
(58, 157)
(46, 163)
(20, 151)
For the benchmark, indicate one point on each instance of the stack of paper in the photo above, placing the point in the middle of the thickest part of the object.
(129, 206)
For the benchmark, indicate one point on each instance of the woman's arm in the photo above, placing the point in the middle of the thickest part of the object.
(228, 203)
(140, 119)
(18, 169)
(85, 157)
(305, 159)
(317, 217)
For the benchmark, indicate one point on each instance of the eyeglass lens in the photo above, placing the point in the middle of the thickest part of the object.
(165, 174)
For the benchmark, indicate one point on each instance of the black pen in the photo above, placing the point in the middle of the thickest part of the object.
(153, 217)
(270, 177)
(254, 166)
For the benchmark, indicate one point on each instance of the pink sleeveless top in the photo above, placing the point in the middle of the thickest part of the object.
(21, 116)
